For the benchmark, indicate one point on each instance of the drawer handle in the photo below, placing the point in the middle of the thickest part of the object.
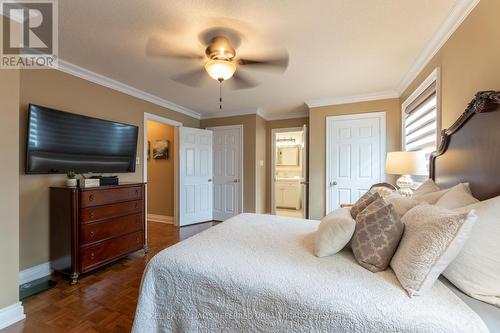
(91, 197)
(137, 191)
(92, 234)
(137, 239)
(92, 255)
(91, 214)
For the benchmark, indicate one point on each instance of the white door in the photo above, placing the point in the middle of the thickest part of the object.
(355, 156)
(195, 176)
(227, 171)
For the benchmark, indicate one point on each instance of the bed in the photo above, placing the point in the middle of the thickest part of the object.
(257, 273)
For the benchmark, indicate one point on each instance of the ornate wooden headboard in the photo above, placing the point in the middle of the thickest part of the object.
(470, 148)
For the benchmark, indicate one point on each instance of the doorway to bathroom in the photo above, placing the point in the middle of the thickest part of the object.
(289, 171)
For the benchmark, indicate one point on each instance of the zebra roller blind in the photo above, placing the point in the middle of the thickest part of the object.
(420, 122)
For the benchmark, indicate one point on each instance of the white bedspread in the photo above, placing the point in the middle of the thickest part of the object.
(257, 273)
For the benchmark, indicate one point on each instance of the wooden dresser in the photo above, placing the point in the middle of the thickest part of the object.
(92, 227)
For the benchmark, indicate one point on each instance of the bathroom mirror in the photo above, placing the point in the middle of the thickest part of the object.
(288, 156)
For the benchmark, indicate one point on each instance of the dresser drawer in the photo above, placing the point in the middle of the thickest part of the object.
(90, 214)
(89, 198)
(98, 231)
(103, 252)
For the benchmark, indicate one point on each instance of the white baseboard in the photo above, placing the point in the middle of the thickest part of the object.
(11, 314)
(35, 272)
(161, 218)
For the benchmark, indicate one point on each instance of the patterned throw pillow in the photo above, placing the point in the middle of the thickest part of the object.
(363, 202)
(377, 235)
(433, 238)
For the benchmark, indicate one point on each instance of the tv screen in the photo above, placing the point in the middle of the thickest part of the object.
(61, 141)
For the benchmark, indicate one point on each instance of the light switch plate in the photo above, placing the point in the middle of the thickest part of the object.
(137, 160)
(261, 163)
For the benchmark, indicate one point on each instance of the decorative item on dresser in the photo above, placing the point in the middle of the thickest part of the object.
(91, 227)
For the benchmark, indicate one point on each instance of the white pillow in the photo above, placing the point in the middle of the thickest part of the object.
(458, 196)
(334, 232)
(400, 203)
(428, 186)
(433, 237)
(476, 270)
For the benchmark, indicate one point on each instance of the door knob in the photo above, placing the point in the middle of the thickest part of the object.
(236, 181)
(210, 180)
(334, 183)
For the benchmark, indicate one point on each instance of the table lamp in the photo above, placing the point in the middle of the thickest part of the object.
(406, 163)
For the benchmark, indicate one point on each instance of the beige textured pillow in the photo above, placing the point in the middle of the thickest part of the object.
(476, 269)
(433, 237)
(428, 186)
(378, 232)
(430, 198)
(334, 232)
(458, 196)
(363, 202)
(400, 203)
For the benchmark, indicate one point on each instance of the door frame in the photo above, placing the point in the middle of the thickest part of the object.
(176, 125)
(275, 131)
(241, 129)
(383, 134)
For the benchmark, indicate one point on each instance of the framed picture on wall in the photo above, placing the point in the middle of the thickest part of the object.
(160, 149)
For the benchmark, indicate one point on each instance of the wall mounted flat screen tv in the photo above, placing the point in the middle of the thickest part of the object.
(61, 141)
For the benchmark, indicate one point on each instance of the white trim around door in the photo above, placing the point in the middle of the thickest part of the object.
(275, 131)
(383, 148)
(176, 124)
(241, 179)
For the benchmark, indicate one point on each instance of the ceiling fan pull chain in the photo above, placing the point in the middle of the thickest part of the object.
(220, 95)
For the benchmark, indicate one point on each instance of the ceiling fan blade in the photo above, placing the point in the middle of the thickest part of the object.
(242, 81)
(277, 63)
(192, 78)
(156, 47)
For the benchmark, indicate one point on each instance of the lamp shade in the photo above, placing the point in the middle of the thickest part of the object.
(220, 69)
(406, 163)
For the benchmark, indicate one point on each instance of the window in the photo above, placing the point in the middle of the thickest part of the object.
(420, 117)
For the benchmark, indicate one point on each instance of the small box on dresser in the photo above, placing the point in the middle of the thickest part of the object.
(92, 227)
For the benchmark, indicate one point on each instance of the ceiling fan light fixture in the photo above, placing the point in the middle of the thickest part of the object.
(220, 70)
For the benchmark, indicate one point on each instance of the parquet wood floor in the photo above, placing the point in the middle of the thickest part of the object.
(103, 301)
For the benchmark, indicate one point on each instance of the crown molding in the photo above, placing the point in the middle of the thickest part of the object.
(72, 69)
(224, 114)
(314, 103)
(257, 111)
(282, 116)
(458, 14)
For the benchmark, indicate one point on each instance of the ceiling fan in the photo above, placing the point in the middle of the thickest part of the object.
(221, 61)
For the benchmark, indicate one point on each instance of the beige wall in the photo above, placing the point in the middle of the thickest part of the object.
(469, 61)
(65, 92)
(270, 125)
(161, 172)
(249, 123)
(260, 163)
(9, 191)
(317, 140)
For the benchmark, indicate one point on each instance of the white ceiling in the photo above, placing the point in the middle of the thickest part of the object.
(337, 48)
